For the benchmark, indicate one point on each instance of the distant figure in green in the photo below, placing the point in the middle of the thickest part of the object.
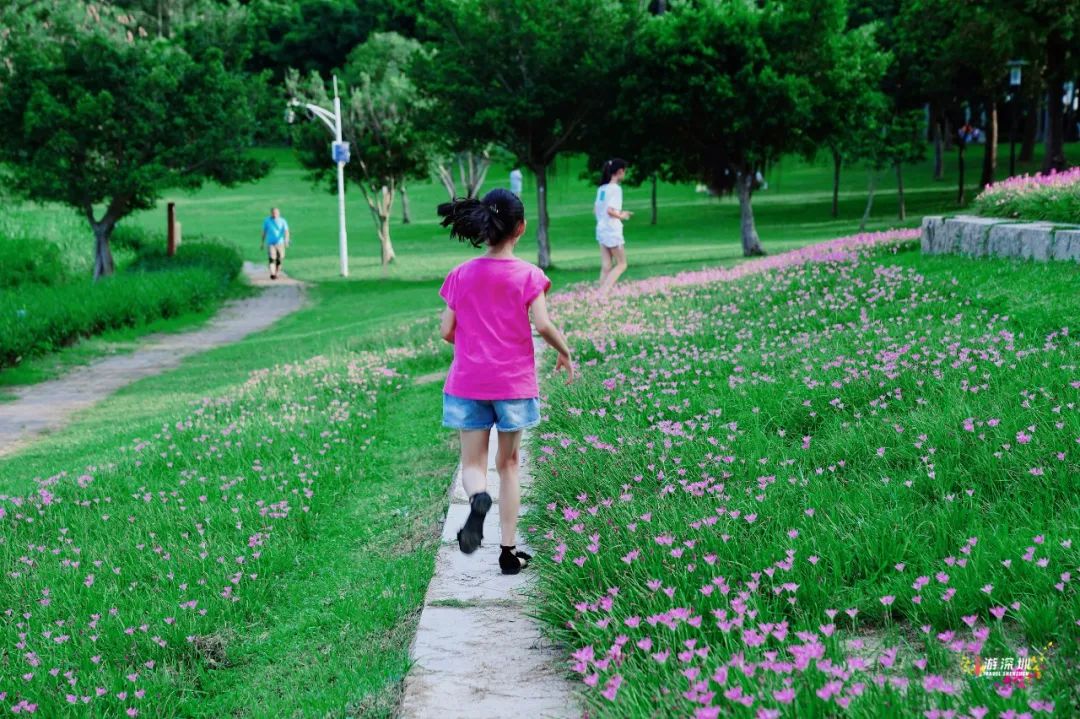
(275, 238)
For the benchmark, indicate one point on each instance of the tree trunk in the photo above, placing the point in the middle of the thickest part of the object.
(477, 171)
(406, 217)
(871, 184)
(948, 133)
(103, 259)
(1056, 50)
(990, 149)
(652, 220)
(543, 247)
(939, 165)
(447, 179)
(960, 147)
(386, 203)
(751, 243)
(837, 159)
(1031, 126)
(380, 205)
(902, 212)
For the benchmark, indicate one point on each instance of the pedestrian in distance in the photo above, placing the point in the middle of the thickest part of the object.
(275, 238)
(515, 181)
(609, 224)
(490, 301)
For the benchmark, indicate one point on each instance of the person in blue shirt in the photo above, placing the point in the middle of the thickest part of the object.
(275, 238)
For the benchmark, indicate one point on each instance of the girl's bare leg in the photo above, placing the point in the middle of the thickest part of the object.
(618, 254)
(605, 263)
(474, 460)
(508, 462)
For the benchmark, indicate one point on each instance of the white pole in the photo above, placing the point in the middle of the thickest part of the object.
(343, 247)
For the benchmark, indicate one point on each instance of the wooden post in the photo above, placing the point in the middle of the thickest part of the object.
(171, 222)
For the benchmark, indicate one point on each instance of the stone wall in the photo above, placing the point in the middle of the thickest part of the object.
(997, 237)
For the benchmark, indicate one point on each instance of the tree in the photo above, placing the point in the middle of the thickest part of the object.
(728, 87)
(524, 74)
(102, 117)
(378, 120)
(1048, 33)
(854, 88)
(887, 139)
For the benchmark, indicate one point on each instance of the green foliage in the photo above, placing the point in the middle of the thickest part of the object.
(96, 114)
(211, 254)
(524, 75)
(729, 87)
(379, 121)
(29, 262)
(885, 140)
(45, 316)
(318, 35)
(501, 70)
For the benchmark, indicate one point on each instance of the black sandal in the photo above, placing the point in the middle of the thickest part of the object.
(470, 536)
(512, 561)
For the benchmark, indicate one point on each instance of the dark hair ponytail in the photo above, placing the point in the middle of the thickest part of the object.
(610, 168)
(487, 221)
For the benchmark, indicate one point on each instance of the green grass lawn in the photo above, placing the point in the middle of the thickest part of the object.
(818, 491)
(293, 644)
(693, 229)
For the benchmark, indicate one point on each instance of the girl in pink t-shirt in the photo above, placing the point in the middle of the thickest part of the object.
(492, 380)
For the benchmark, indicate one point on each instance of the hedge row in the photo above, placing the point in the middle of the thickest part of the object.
(40, 318)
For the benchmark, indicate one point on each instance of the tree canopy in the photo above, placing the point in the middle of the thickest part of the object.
(101, 116)
(526, 75)
(728, 87)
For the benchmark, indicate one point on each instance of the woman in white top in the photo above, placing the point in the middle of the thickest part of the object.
(609, 224)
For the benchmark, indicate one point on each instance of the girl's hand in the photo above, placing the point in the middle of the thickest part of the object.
(564, 362)
(627, 215)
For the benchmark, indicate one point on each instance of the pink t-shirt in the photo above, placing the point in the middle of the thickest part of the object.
(493, 346)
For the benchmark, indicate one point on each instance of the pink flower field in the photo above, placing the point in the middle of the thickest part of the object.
(122, 584)
(1054, 196)
(837, 482)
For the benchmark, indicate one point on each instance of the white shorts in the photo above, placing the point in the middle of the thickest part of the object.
(610, 241)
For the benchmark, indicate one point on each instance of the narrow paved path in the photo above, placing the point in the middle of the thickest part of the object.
(50, 405)
(477, 654)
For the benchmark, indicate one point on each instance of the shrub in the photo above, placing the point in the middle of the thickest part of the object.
(1054, 197)
(26, 261)
(39, 318)
(213, 254)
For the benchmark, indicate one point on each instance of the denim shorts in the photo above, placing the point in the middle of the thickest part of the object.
(507, 415)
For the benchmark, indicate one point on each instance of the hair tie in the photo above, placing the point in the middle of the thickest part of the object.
(494, 208)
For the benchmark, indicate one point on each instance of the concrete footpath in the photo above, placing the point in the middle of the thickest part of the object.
(476, 654)
(50, 405)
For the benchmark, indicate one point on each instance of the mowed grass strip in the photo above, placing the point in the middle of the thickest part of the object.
(819, 491)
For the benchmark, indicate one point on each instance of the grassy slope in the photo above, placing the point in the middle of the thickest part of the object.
(369, 312)
(744, 359)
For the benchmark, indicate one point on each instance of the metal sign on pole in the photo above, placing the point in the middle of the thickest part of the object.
(339, 152)
(343, 245)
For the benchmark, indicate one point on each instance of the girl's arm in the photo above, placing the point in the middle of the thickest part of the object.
(618, 214)
(448, 325)
(551, 334)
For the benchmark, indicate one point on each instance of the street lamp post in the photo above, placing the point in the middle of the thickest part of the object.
(339, 151)
(1015, 79)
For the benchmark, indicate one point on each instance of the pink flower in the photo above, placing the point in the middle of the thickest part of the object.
(612, 687)
(887, 600)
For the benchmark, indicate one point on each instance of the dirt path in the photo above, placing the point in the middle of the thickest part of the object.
(50, 405)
